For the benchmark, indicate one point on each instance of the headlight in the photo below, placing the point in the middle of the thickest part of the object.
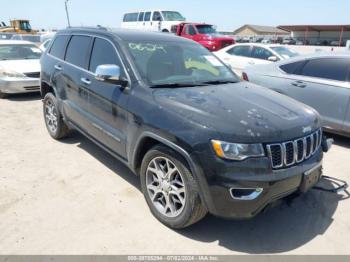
(9, 73)
(237, 151)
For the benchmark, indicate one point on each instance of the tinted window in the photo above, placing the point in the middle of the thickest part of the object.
(131, 17)
(147, 16)
(243, 50)
(156, 16)
(103, 53)
(327, 68)
(141, 15)
(190, 30)
(260, 53)
(59, 46)
(78, 51)
(292, 68)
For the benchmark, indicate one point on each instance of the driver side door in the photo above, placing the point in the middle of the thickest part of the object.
(107, 101)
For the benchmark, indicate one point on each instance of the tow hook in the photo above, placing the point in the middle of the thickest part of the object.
(327, 144)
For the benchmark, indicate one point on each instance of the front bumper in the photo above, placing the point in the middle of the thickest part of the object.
(19, 85)
(266, 185)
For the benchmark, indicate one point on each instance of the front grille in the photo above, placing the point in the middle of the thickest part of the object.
(288, 153)
(33, 74)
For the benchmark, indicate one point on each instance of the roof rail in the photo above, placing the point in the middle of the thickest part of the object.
(88, 27)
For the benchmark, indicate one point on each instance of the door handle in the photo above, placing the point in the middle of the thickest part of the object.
(58, 67)
(251, 62)
(85, 81)
(299, 84)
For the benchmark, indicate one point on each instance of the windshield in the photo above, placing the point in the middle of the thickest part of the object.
(206, 29)
(24, 25)
(284, 52)
(175, 62)
(19, 52)
(172, 16)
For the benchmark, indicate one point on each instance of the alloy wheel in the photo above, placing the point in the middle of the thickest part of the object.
(165, 186)
(51, 116)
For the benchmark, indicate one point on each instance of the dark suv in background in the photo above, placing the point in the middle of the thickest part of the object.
(199, 138)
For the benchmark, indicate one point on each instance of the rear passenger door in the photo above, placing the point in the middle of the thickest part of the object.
(107, 102)
(322, 83)
(76, 104)
(238, 58)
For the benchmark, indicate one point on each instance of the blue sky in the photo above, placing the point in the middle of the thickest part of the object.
(228, 15)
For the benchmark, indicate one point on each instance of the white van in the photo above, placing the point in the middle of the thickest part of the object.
(156, 20)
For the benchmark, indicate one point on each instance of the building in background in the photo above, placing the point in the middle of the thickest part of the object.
(325, 35)
(259, 30)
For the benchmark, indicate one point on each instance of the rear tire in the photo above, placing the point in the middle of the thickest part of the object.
(55, 125)
(170, 189)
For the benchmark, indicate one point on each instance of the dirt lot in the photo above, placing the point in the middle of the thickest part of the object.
(71, 197)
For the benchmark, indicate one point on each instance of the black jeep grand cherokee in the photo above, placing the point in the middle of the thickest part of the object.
(199, 138)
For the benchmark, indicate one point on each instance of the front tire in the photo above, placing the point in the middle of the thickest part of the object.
(170, 189)
(55, 125)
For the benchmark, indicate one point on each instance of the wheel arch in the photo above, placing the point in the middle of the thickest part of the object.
(46, 88)
(150, 139)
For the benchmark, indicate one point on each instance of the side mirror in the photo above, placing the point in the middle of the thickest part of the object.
(110, 74)
(273, 58)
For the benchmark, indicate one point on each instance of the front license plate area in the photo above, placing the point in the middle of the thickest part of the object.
(310, 178)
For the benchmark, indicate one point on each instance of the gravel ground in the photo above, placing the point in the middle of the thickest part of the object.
(70, 197)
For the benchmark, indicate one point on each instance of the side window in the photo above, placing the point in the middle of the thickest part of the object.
(327, 68)
(141, 15)
(134, 17)
(147, 16)
(78, 51)
(125, 19)
(243, 50)
(58, 47)
(190, 30)
(260, 53)
(292, 68)
(156, 16)
(103, 53)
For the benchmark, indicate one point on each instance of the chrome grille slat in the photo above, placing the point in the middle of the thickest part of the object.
(288, 153)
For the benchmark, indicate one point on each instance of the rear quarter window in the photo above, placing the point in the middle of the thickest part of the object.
(59, 46)
(292, 68)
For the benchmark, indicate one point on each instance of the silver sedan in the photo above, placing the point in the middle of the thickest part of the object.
(320, 80)
(19, 67)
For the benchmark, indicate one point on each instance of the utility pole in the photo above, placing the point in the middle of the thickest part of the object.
(65, 3)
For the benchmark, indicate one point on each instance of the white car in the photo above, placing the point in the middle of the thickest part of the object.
(45, 45)
(239, 56)
(19, 67)
(155, 20)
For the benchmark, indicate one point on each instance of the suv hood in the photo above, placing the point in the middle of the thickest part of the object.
(241, 112)
(21, 66)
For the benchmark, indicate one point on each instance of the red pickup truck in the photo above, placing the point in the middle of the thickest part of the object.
(205, 34)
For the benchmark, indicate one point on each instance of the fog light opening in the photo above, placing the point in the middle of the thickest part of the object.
(245, 193)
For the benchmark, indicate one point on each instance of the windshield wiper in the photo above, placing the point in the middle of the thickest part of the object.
(219, 82)
(177, 85)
